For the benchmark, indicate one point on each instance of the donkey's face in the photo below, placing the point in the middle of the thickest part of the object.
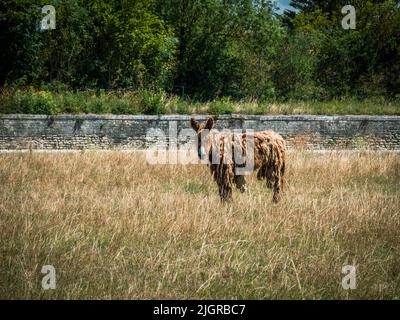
(202, 130)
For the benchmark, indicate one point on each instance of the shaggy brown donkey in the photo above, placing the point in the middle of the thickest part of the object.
(265, 149)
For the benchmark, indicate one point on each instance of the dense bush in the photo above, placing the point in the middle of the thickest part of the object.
(152, 102)
(221, 106)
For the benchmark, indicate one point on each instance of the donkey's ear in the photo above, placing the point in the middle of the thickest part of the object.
(194, 124)
(209, 123)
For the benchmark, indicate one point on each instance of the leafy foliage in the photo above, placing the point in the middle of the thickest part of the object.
(352, 62)
(203, 50)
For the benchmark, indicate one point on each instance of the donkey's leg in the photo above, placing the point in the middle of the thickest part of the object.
(261, 172)
(270, 177)
(240, 183)
(225, 181)
(225, 192)
(282, 175)
(267, 173)
(277, 186)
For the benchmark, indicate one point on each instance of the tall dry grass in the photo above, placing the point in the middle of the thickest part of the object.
(115, 227)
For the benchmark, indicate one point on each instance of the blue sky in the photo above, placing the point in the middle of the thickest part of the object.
(283, 4)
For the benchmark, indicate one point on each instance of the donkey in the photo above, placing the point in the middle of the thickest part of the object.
(267, 150)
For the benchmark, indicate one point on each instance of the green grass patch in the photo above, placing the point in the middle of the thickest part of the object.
(195, 188)
(31, 101)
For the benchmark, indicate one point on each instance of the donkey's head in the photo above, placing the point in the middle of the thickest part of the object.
(202, 131)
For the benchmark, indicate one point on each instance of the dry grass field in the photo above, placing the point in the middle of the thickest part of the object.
(114, 226)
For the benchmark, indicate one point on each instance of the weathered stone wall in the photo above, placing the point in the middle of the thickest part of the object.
(133, 132)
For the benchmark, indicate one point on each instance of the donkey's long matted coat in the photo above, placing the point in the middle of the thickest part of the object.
(269, 151)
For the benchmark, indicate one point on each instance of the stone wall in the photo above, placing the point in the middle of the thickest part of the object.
(135, 132)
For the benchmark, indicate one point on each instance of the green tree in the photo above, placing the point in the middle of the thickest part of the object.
(20, 41)
(225, 47)
(132, 46)
(352, 61)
